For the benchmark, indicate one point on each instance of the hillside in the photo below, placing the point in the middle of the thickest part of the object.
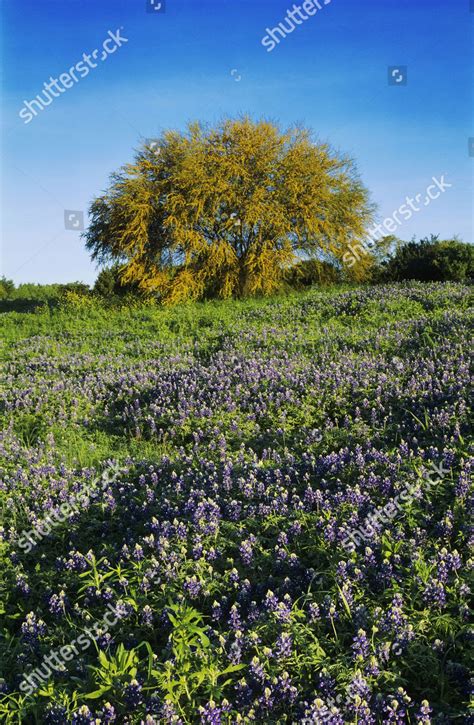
(270, 499)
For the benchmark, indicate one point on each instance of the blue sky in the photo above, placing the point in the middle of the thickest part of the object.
(203, 59)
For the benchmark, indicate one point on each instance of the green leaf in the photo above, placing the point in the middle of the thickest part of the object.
(96, 694)
(103, 660)
(344, 601)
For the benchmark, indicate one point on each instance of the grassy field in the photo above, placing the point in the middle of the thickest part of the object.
(238, 512)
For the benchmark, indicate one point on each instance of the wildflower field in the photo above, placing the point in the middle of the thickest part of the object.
(238, 512)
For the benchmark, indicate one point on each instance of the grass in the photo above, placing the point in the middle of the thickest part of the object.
(252, 437)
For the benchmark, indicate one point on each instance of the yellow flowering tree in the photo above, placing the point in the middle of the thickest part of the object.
(224, 211)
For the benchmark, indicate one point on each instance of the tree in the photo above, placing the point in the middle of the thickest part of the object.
(313, 272)
(108, 284)
(78, 288)
(7, 286)
(431, 259)
(225, 211)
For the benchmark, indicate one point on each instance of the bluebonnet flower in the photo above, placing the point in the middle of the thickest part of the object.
(360, 645)
(107, 594)
(22, 585)
(434, 594)
(362, 712)
(243, 694)
(132, 694)
(234, 617)
(319, 712)
(422, 717)
(212, 714)
(283, 609)
(58, 603)
(138, 553)
(246, 549)
(283, 688)
(170, 716)
(216, 611)
(149, 720)
(325, 683)
(123, 609)
(82, 717)
(229, 488)
(192, 586)
(235, 650)
(55, 715)
(395, 708)
(283, 645)
(271, 601)
(107, 714)
(257, 670)
(146, 616)
(32, 629)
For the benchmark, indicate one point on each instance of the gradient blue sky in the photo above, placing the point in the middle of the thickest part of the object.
(330, 73)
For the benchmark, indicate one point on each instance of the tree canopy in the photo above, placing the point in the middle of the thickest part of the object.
(430, 260)
(226, 210)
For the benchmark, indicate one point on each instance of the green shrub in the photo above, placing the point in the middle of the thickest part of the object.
(36, 292)
(6, 288)
(431, 260)
(109, 285)
(28, 297)
(312, 272)
(78, 288)
(71, 299)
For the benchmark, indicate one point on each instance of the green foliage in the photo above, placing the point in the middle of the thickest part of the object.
(193, 666)
(109, 284)
(37, 292)
(6, 287)
(63, 365)
(313, 272)
(113, 671)
(30, 297)
(431, 259)
(77, 288)
(224, 211)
